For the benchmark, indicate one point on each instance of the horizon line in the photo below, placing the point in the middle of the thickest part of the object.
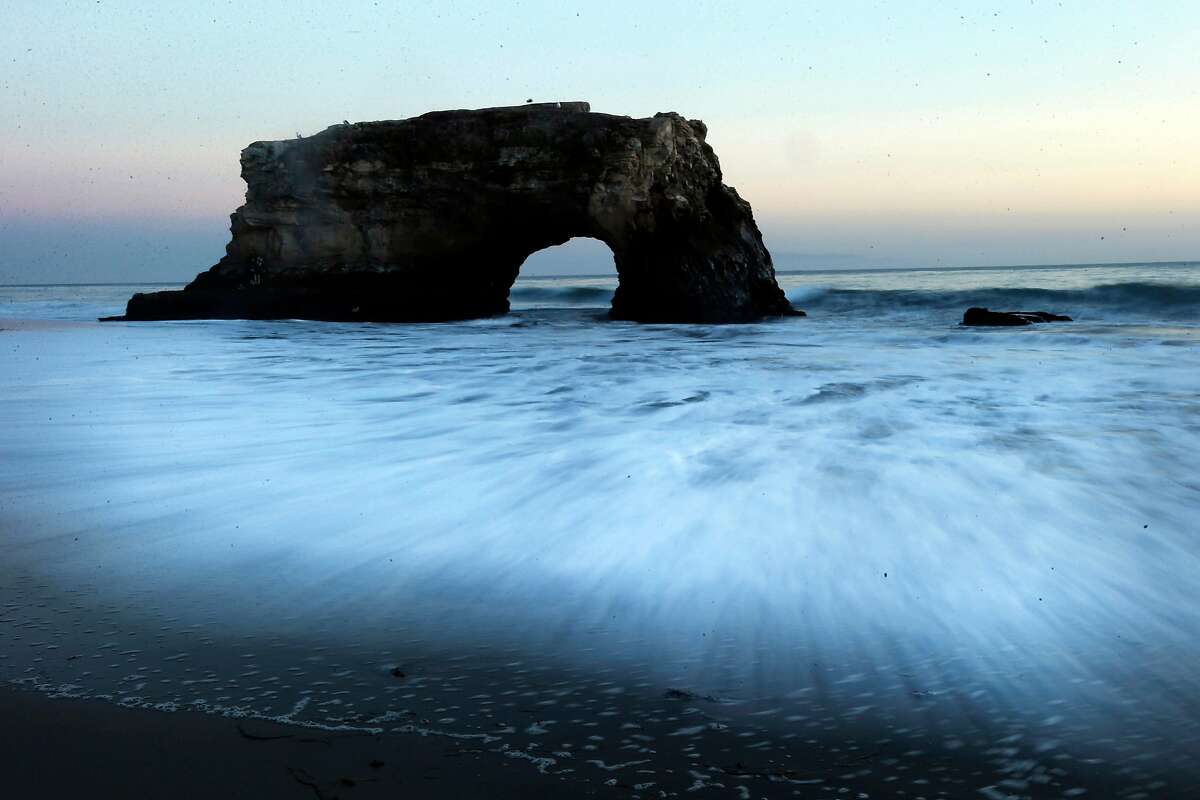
(1080, 265)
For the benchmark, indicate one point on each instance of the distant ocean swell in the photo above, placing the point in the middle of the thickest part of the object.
(1176, 302)
(1159, 300)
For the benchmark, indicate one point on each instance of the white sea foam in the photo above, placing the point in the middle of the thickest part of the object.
(751, 510)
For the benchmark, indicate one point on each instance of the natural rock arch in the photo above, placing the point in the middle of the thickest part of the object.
(430, 219)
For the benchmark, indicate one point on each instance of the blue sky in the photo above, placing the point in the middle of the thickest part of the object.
(864, 134)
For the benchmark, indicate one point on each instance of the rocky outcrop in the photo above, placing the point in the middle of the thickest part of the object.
(430, 219)
(982, 316)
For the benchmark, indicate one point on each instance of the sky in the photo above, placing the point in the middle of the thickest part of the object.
(864, 134)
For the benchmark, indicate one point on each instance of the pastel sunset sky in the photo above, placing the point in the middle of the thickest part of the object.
(864, 134)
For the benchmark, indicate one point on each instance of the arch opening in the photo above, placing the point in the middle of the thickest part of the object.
(580, 273)
(579, 256)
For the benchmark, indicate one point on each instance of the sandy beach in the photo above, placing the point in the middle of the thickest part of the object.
(65, 747)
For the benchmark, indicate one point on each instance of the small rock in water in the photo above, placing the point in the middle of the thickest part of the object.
(983, 316)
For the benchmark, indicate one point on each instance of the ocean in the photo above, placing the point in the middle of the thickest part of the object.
(963, 556)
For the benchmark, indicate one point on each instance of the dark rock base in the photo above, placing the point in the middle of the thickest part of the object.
(361, 304)
(357, 302)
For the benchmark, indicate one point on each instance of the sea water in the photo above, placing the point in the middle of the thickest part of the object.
(867, 525)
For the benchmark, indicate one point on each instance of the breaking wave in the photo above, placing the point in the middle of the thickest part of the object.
(1176, 302)
(572, 296)
(1162, 301)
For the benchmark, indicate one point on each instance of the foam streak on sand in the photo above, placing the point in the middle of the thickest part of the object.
(846, 527)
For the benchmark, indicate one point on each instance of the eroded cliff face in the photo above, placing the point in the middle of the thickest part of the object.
(430, 219)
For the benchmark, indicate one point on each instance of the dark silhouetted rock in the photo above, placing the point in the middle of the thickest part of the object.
(982, 316)
(430, 219)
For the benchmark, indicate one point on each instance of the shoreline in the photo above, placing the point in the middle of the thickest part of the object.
(76, 747)
(67, 747)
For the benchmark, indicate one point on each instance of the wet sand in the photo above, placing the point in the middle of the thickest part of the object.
(55, 747)
(69, 747)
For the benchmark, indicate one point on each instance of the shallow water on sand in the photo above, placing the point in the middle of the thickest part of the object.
(869, 533)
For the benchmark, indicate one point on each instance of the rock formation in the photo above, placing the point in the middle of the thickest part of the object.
(982, 316)
(430, 219)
